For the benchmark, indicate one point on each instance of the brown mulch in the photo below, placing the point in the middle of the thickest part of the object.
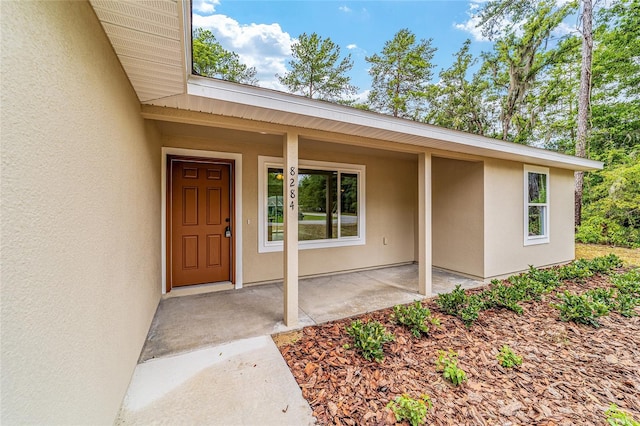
(570, 375)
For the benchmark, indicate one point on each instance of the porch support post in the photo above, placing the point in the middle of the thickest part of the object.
(290, 208)
(424, 224)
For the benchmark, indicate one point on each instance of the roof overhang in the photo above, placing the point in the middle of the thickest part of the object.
(152, 41)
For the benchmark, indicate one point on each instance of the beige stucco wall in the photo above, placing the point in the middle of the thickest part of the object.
(80, 218)
(458, 215)
(505, 252)
(391, 182)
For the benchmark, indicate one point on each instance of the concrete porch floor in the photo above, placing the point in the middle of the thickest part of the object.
(209, 358)
(190, 322)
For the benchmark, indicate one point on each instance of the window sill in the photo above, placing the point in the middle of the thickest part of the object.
(536, 241)
(310, 245)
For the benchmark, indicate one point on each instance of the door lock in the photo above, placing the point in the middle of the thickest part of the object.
(227, 232)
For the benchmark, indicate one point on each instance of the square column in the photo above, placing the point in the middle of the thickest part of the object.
(290, 210)
(424, 224)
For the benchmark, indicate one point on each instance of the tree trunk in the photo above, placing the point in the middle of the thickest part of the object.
(584, 100)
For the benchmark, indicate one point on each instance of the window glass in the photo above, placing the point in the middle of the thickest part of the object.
(537, 188)
(275, 231)
(317, 205)
(536, 209)
(348, 205)
(330, 204)
(536, 221)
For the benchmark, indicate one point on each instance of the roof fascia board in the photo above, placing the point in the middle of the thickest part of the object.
(279, 101)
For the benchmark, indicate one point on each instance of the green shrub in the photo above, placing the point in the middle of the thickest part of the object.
(500, 295)
(447, 362)
(617, 417)
(369, 337)
(625, 304)
(535, 282)
(469, 314)
(580, 269)
(414, 317)
(577, 270)
(507, 358)
(604, 264)
(602, 295)
(581, 309)
(452, 303)
(628, 283)
(413, 410)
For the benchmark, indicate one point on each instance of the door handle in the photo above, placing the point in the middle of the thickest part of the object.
(227, 232)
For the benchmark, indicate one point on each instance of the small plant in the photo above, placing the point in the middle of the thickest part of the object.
(447, 362)
(452, 303)
(577, 271)
(548, 277)
(581, 309)
(605, 264)
(414, 317)
(508, 358)
(628, 283)
(617, 417)
(602, 295)
(534, 283)
(469, 314)
(413, 410)
(625, 304)
(369, 337)
(503, 296)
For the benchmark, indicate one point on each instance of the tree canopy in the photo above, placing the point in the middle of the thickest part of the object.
(316, 70)
(210, 59)
(401, 76)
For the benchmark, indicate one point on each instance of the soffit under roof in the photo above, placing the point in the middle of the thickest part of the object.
(148, 38)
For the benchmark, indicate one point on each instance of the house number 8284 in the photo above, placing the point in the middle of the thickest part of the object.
(292, 184)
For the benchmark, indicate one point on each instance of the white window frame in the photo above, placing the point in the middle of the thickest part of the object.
(536, 239)
(266, 246)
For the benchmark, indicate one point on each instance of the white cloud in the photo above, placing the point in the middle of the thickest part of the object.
(352, 46)
(344, 9)
(205, 7)
(471, 26)
(263, 46)
(564, 29)
(362, 97)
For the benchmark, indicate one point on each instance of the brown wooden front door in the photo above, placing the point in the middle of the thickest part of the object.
(200, 222)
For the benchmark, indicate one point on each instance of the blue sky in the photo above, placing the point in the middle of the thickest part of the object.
(262, 31)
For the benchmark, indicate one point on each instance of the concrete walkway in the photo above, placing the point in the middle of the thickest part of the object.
(209, 358)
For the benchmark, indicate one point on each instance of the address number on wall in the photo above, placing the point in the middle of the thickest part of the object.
(292, 187)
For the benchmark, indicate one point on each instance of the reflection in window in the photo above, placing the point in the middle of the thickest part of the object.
(536, 205)
(275, 214)
(317, 205)
(349, 205)
(322, 215)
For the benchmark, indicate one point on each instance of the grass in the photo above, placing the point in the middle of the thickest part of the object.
(630, 257)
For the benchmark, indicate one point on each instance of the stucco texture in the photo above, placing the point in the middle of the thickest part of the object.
(458, 215)
(505, 252)
(79, 218)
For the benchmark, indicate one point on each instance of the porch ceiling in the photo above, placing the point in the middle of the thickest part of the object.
(151, 40)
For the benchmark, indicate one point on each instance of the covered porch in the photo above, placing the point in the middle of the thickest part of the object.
(189, 322)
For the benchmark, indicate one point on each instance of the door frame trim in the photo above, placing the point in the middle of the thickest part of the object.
(237, 196)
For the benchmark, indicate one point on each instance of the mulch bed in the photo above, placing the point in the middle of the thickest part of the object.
(570, 375)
